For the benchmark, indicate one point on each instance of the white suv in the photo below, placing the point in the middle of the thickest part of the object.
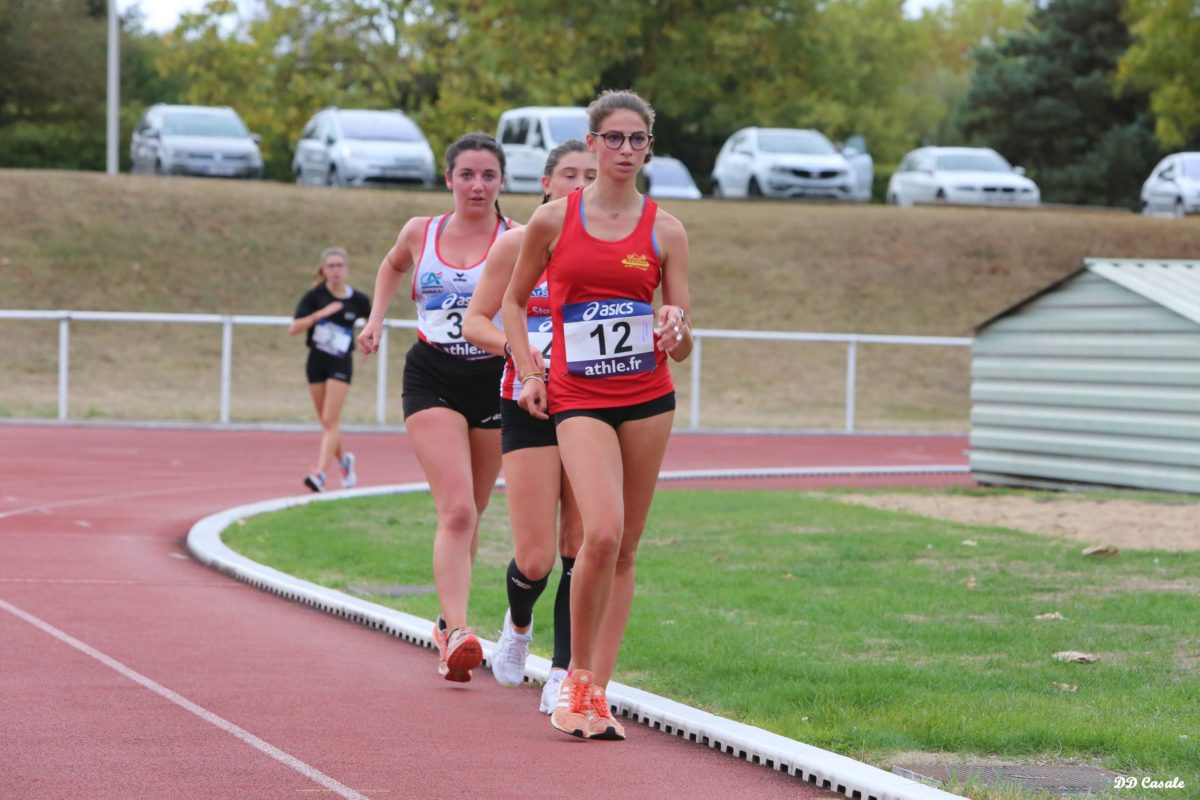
(529, 134)
(783, 162)
(1174, 186)
(345, 147)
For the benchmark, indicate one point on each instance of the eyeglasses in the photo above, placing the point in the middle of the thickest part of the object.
(613, 140)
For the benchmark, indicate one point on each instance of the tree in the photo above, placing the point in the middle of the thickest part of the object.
(1165, 61)
(1045, 98)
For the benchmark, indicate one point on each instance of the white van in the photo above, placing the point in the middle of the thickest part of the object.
(529, 134)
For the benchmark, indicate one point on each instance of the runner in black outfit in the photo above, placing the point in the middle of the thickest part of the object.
(327, 314)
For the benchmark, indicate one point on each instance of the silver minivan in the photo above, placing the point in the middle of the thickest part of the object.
(529, 134)
(351, 147)
(194, 140)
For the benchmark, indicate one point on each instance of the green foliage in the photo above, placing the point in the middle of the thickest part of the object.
(1165, 60)
(1045, 98)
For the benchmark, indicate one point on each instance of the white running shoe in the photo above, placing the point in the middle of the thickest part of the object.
(508, 659)
(349, 477)
(550, 690)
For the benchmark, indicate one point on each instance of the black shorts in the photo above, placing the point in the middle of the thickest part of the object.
(433, 379)
(520, 429)
(323, 367)
(620, 414)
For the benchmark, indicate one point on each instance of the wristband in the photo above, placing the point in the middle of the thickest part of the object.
(533, 376)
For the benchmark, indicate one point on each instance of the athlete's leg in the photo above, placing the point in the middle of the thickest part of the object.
(331, 415)
(532, 476)
(317, 391)
(591, 455)
(570, 536)
(643, 444)
(442, 443)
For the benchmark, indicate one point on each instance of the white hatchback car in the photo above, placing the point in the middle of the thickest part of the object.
(1173, 186)
(782, 162)
(960, 175)
(529, 134)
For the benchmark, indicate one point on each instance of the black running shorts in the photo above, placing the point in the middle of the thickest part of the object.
(520, 429)
(433, 379)
(323, 367)
(620, 414)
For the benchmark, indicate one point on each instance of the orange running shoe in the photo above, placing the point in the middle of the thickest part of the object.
(604, 726)
(573, 714)
(462, 653)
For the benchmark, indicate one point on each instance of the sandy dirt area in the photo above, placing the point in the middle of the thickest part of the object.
(1127, 524)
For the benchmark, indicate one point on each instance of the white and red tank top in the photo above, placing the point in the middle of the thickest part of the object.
(443, 292)
(602, 296)
(540, 327)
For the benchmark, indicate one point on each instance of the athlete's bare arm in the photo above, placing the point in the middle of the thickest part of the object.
(478, 328)
(402, 255)
(541, 234)
(677, 302)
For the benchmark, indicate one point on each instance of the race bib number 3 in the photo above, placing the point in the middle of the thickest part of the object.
(443, 319)
(331, 338)
(604, 338)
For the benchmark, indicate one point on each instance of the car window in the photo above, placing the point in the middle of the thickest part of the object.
(1190, 168)
(803, 142)
(310, 130)
(516, 130)
(972, 162)
(567, 126)
(378, 126)
(537, 139)
(907, 165)
(198, 123)
(740, 144)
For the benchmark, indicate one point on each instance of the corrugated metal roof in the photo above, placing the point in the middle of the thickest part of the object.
(1171, 284)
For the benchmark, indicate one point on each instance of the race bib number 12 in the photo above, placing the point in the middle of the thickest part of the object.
(605, 338)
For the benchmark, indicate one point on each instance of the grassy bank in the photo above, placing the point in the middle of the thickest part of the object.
(88, 241)
(867, 632)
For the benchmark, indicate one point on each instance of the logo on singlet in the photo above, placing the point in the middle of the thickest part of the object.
(431, 280)
(636, 261)
(460, 276)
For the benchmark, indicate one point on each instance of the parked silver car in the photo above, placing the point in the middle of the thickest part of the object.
(668, 177)
(1173, 187)
(350, 147)
(195, 140)
(783, 162)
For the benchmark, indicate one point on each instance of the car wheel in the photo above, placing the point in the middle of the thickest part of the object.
(892, 200)
(332, 178)
(753, 189)
(298, 174)
(1179, 207)
(1144, 208)
(158, 167)
(717, 189)
(940, 196)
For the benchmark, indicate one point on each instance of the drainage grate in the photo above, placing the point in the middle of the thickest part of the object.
(1067, 779)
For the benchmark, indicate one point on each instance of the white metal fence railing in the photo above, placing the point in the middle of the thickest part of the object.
(228, 321)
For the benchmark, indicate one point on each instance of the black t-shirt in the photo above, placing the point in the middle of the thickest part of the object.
(334, 334)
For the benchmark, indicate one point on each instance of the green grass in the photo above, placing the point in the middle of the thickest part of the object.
(843, 626)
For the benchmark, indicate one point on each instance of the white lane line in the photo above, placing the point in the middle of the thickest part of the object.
(44, 508)
(312, 773)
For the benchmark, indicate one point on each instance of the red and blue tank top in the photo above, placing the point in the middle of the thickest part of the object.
(602, 311)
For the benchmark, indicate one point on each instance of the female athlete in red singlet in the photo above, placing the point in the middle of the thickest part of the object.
(451, 408)
(604, 250)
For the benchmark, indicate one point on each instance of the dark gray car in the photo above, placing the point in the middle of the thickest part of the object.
(195, 140)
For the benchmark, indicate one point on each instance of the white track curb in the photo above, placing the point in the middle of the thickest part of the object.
(816, 766)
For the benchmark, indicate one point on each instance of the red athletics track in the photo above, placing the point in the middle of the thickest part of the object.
(92, 523)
